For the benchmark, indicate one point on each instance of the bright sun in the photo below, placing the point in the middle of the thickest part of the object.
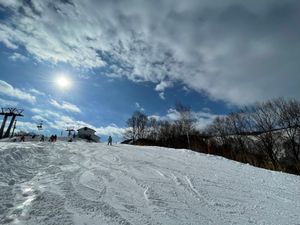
(63, 82)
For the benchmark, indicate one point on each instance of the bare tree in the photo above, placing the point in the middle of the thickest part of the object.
(271, 127)
(185, 122)
(166, 133)
(131, 130)
(136, 126)
(289, 119)
(152, 128)
(219, 129)
(265, 120)
(238, 128)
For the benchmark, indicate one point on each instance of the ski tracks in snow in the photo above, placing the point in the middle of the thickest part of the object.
(85, 183)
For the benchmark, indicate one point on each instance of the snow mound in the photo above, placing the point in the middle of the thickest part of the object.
(89, 183)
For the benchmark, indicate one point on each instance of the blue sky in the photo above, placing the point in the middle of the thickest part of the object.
(121, 56)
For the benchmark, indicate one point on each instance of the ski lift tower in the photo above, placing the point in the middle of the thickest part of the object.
(39, 126)
(70, 131)
(9, 112)
(14, 127)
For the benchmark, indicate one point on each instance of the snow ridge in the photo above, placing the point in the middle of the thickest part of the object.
(89, 183)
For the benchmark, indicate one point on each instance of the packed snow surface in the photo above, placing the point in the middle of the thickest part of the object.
(84, 183)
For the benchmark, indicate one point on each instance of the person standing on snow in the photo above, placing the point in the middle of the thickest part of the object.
(22, 139)
(109, 140)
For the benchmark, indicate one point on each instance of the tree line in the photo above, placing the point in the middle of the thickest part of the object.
(143, 129)
(270, 128)
(265, 134)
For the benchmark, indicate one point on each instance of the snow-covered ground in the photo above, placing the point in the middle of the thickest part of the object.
(87, 183)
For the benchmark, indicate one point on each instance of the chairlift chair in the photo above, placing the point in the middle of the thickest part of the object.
(40, 126)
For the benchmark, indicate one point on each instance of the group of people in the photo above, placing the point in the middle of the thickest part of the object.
(53, 138)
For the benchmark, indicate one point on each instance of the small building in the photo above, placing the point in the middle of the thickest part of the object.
(88, 134)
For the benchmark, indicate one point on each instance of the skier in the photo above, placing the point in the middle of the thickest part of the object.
(109, 140)
(51, 139)
(42, 138)
(22, 138)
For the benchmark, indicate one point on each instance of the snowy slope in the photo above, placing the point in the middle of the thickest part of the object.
(85, 183)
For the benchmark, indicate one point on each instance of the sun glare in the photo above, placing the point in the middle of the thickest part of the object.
(63, 82)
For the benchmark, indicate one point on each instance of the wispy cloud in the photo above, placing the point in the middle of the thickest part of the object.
(162, 95)
(45, 112)
(235, 51)
(8, 90)
(59, 122)
(66, 106)
(18, 57)
(161, 88)
(112, 130)
(6, 103)
(139, 107)
(201, 118)
(157, 117)
(163, 85)
(26, 126)
(36, 92)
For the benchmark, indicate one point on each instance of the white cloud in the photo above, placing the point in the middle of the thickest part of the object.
(9, 90)
(64, 122)
(26, 126)
(185, 89)
(7, 103)
(66, 106)
(236, 51)
(206, 109)
(172, 114)
(154, 117)
(139, 107)
(163, 85)
(202, 118)
(38, 118)
(60, 122)
(5, 36)
(45, 113)
(36, 92)
(10, 3)
(112, 130)
(162, 95)
(18, 57)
